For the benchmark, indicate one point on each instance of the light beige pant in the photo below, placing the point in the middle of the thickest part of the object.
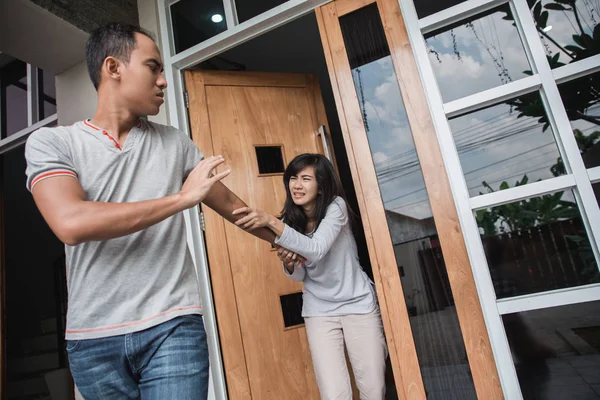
(367, 350)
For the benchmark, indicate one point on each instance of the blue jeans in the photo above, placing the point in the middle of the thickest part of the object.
(168, 361)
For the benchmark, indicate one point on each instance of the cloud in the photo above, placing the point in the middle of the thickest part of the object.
(380, 157)
(488, 42)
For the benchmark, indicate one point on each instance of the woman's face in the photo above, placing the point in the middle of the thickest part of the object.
(304, 188)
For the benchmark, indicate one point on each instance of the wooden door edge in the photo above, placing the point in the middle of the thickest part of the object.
(321, 115)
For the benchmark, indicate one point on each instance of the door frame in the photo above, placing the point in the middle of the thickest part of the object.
(174, 68)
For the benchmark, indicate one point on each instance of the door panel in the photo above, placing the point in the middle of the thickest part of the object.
(231, 114)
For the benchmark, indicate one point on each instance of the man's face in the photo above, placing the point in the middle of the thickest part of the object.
(142, 80)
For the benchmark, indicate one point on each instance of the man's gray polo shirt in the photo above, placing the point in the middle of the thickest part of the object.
(136, 281)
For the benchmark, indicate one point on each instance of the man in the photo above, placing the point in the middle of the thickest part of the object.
(112, 189)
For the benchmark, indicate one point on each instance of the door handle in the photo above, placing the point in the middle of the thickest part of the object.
(322, 131)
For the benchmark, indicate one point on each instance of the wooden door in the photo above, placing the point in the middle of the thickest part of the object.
(237, 114)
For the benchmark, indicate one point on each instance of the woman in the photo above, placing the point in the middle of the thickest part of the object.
(340, 305)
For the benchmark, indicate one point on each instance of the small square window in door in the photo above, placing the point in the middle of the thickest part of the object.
(270, 160)
(291, 306)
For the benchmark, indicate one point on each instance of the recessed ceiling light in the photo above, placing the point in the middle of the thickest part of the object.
(216, 18)
(547, 29)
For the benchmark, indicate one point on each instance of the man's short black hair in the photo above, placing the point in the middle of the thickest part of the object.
(111, 40)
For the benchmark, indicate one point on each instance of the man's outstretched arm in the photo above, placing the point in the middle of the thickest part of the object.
(224, 201)
(74, 219)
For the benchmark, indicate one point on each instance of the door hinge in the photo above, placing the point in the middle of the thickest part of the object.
(202, 220)
(186, 98)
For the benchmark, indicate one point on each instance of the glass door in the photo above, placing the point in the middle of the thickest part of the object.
(435, 328)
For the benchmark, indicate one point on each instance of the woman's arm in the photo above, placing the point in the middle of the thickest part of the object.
(312, 248)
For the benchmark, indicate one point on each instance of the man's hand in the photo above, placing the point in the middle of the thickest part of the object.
(200, 181)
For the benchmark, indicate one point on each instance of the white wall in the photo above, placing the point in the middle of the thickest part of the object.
(149, 20)
(76, 98)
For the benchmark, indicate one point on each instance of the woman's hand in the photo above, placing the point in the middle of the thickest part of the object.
(253, 219)
(256, 218)
(289, 258)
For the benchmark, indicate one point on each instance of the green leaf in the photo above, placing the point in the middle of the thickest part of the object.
(555, 58)
(587, 39)
(537, 10)
(577, 39)
(504, 185)
(543, 21)
(557, 7)
(597, 33)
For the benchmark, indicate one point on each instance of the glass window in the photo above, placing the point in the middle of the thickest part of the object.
(16, 107)
(506, 145)
(537, 244)
(581, 99)
(249, 9)
(477, 54)
(428, 7)
(13, 96)
(48, 94)
(568, 29)
(195, 21)
(557, 351)
(434, 323)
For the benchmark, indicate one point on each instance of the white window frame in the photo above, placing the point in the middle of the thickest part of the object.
(174, 65)
(33, 114)
(545, 80)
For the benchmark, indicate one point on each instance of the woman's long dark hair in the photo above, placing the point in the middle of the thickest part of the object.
(329, 187)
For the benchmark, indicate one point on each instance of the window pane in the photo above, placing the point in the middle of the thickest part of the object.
(477, 54)
(506, 145)
(536, 245)
(567, 28)
(428, 7)
(48, 94)
(581, 98)
(249, 9)
(16, 107)
(557, 351)
(195, 21)
(434, 323)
